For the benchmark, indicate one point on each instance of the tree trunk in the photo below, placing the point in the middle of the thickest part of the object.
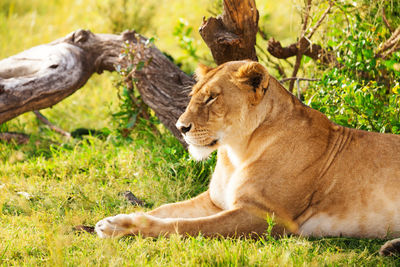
(232, 35)
(44, 75)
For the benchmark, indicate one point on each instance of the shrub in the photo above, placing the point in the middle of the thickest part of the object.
(362, 90)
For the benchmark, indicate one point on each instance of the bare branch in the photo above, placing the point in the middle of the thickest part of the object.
(298, 79)
(345, 13)
(391, 45)
(54, 128)
(305, 18)
(313, 29)
(262, 33)
(302, 44)
(314, 51)
(385, 19)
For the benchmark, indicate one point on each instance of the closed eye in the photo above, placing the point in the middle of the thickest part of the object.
(210, 100)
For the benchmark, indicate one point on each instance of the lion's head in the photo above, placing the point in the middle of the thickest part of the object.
(224, 106)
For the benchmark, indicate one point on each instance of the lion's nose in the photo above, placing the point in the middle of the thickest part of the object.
(183, 128)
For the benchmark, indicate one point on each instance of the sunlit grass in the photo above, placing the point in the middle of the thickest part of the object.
(81, 182)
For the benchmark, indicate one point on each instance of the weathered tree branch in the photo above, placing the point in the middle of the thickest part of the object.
(302, 44)
(54, 128)
(385, 20)
(232, 35)
(391, 45)
(44, 75)
(321, 19)
(314, 51)
(298, 79)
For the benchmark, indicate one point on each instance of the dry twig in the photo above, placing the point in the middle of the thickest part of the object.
(299, 79)
(321, 19)
(391, 45)
(385, 20)
(302, 44)
(54, 128)
(314, 51)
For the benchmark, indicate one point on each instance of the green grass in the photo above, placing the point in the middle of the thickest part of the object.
(80, 182)
(74, 182)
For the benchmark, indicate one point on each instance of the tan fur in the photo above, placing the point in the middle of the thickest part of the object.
(276, 157)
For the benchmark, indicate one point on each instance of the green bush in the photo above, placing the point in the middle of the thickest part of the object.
(362, 90)
(133, 111)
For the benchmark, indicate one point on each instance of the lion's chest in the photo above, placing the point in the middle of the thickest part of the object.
(219, 192)
(223, 183)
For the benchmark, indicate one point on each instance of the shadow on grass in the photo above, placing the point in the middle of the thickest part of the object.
(47, 144)
(347, 245)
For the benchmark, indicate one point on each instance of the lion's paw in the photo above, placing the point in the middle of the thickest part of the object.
(122, 224)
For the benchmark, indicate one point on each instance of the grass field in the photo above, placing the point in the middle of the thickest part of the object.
(53, 184)
(81, 182)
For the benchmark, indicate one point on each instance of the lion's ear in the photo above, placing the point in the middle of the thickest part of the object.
(255, 75)
(201, 71)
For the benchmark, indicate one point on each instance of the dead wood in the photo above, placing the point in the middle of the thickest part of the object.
(302, 44)
(54, 128)
(390, 46)
(44, 75)
(385, 20)
(232, 35)
(129, 196)
(314, 51)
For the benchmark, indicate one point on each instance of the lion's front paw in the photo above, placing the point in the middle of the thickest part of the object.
(122, 224)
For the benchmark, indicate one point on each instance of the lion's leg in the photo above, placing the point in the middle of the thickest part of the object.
(225, 223)
(200, 206)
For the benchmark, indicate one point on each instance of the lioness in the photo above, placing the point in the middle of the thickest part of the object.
(276, 157)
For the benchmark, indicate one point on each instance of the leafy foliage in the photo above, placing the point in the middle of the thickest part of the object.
(183, 33)
(362, 90)
(133, 111)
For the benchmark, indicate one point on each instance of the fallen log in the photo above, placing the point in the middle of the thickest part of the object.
(42, 76)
